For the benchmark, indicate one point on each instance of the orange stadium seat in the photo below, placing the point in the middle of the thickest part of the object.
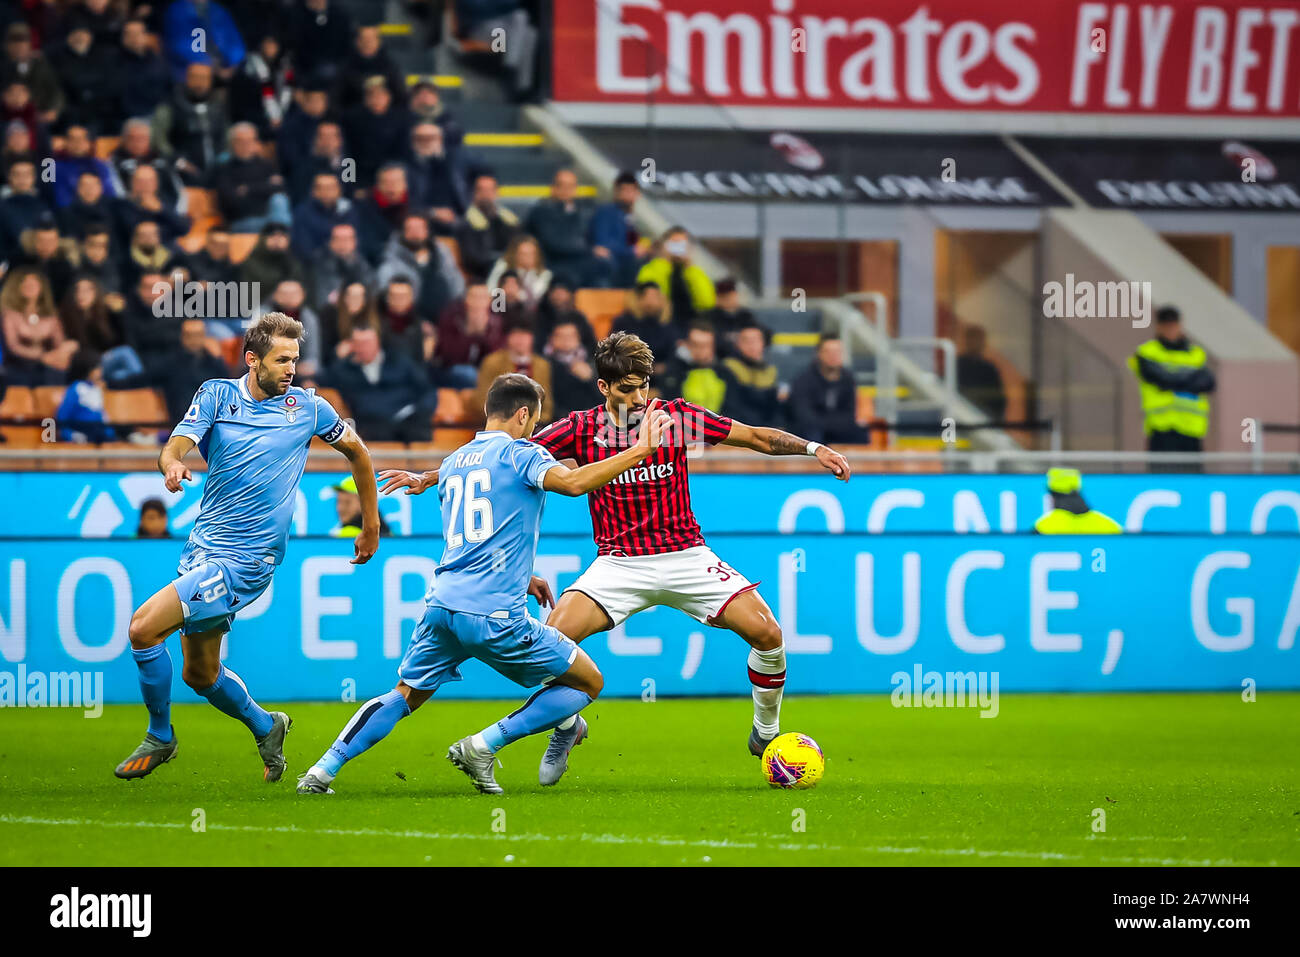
(202, 202)
(333, 397)
(134, 405)
(451, 408)
(47, 399)
(105, 145)
(19, 403)
(448, 439)
(241, 244)
(600, 306)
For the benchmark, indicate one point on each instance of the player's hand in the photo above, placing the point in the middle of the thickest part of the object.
(365, 545)
(176, 474)
(414, 483)
(654, 424)
(539, 589)
(837, 464)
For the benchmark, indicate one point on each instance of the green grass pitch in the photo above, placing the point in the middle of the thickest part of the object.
(1183, 779)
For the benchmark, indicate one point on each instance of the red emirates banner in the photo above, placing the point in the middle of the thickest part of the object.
(1231, 58)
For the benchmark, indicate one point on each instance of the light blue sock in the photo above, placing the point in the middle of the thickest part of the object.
(370, 725)
(544, 710)
(155, 666)
(229, 695)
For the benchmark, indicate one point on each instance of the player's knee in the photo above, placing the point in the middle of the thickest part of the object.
(768, 637)
(198, 676)
(595, 684)
(140, 633)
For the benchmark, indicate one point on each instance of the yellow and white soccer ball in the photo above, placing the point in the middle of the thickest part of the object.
(793, 760)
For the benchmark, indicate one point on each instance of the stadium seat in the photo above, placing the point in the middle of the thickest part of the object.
(448, 439)
(47, 399)
(600, 306)
(241, 244)
(335, 399)
(202, 203)
(105, 145)
(135, 405)
(232, 352)
(451, 408)
(19, 403)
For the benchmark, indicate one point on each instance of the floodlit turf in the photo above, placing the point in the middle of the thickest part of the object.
(1182, 779)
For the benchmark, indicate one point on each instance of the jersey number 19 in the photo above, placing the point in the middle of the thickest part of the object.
(467, 491)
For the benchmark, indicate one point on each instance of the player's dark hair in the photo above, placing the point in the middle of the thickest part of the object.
(262, 334)
(512, 392)
(621, 355)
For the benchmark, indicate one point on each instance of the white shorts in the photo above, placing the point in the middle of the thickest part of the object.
(693, 580)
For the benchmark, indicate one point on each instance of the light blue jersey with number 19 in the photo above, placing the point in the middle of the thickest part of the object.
(492, 498)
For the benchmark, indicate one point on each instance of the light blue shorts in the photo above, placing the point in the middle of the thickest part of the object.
(523, 649)
(215, 586)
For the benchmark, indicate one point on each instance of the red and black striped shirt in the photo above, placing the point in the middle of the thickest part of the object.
(647, 509)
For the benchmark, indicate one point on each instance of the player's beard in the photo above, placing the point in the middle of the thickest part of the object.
(272, 384)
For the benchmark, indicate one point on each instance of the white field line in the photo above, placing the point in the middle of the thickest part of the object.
(619, 839)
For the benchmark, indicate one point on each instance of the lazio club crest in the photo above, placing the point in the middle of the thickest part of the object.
(291, 408)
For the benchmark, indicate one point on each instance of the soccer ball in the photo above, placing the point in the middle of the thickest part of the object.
(793, 760)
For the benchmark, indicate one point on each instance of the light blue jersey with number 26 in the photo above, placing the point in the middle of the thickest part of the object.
(492, 500)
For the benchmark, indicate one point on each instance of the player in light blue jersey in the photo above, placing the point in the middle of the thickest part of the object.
(254, 433)
(492, 491)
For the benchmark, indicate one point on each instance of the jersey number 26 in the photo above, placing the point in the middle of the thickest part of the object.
(477, 519)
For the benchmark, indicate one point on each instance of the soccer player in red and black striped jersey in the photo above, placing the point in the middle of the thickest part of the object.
(650, 550)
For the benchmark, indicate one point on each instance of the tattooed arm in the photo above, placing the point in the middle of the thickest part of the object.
(776, 442)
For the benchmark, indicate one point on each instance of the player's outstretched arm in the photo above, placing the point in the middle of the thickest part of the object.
(776, 442)
(413, 482)
(363, 473)
(171, 462)
(593, 475)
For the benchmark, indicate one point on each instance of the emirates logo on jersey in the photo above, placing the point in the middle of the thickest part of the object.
(645, 473)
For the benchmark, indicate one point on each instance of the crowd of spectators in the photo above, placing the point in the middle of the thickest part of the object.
(301, 128)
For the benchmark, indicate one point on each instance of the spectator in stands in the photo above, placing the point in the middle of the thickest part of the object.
(321, 35)
(196, 361)
(155, 339)
(648, 319)
(260, 91)
(136, 150)
(517, 354)
(559, 303)
(613, 233)
(686, 286)
(92, 318)
(382, 210)
(144, 201)
(290, 298)
(42, 248)
(436, 177)
(368, 58)
(347, 506)
(212, 262)
(250, 192)
(24, 63)
(427, 107)
(824, 399)
(467, 331)
(88, 208)
(89, 72)
(314, 220)
(486, 229)
(978, 379)
(104, 18)
(77, 157)
(153, 519)
(377, 131)
(191, 125)
(401, 325)
(16, 106)
(17, 148)
(697, 376)
(145, 79)
(523, 257)
(561, 224)
(573, 377)
(95, 260)
(223, 47)
(481, 19)
(338, 265)
(80, 415)
(21, 206)
(387, 391)
(354, 309)
(146, 252)
(326, 156)
(297, 132)
(271, 259)
(729, 317)
(414, 255)
(754, 393)
(37, 350)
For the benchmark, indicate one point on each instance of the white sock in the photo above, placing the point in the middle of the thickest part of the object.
(479, 744)
(567, 723)
(767, 677)
(321, 773)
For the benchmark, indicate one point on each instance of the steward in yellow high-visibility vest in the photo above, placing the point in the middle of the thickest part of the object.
(1070, 514)
(347, 504)
(1175, 382)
